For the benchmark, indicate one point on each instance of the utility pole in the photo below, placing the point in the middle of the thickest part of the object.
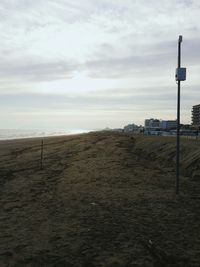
(180, 76)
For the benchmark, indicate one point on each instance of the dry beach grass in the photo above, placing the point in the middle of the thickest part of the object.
(102, 199)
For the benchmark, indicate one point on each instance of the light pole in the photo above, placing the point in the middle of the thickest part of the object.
(180, 76)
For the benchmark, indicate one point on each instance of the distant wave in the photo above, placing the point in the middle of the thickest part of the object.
(7, 134)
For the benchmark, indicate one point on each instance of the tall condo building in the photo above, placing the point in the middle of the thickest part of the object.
(196, 115)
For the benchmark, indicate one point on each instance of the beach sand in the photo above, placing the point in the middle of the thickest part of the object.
(101, 199)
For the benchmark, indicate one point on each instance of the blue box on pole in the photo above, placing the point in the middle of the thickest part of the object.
(180, 74)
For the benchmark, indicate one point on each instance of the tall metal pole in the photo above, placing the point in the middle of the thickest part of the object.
(178, 120)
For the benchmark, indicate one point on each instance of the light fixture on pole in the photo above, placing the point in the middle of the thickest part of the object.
(180, 76)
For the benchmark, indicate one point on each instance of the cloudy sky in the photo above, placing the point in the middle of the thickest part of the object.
(90, 64)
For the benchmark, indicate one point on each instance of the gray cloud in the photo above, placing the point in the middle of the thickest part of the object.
(127, 66)
(110, 61)
(152, 58)
(104, 108)
(36, 72)
(40, 13)
(131, 39)
(122, 99)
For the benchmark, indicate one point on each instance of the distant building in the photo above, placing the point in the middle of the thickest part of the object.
(152, 127)
(196, 115)
(168, 124)
(151, 123)
(130, 128)
(133, 128)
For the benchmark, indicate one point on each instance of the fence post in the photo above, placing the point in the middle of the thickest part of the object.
(42, 151)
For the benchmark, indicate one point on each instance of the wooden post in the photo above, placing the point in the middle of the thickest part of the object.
(42, 151)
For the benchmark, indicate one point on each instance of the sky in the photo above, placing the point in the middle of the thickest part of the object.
(91, 64)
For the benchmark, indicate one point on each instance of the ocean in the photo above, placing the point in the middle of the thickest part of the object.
(7, 134)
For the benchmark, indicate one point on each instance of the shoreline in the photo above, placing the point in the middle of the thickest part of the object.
(43, 136)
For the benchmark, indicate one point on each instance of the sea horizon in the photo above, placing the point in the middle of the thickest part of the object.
(11, 134)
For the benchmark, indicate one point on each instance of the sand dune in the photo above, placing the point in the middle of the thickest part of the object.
(101, 199)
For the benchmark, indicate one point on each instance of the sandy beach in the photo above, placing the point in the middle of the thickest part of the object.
(101, 199)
